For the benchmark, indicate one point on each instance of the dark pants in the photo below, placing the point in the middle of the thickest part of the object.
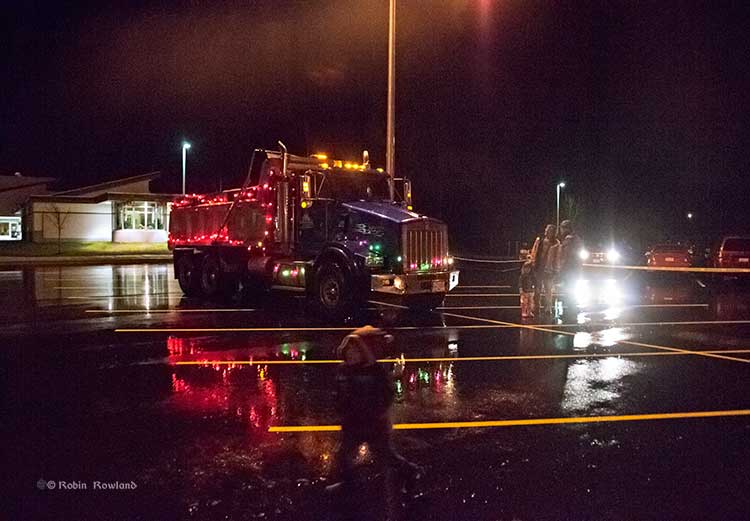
(545, 282)
(377, 435)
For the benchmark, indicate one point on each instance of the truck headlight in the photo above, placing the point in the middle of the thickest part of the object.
(399, 283)
(583, 254)
(613, 256)
(373, 261)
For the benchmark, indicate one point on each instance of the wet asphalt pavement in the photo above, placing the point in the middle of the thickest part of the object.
(113, 377)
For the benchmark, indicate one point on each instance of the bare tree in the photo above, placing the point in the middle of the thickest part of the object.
(572, 209)
(57, 216)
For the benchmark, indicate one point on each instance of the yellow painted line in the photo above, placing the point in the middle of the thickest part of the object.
(676, 268)
(107, 297)
(99, 288)
(482, 287)
(477, 307)
(260, 362)
(675, 349)
(387, 304)
(298, 329)
(452, 359)
(149, 311)
(482, 295)
(528, 421)
(627, 342)
(665, 323)
(494, 324)
(668, 306)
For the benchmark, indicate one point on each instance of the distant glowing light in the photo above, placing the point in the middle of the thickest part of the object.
(583, 254)
(186, 145)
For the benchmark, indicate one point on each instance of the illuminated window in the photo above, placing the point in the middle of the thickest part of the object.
(10, 228)
(140, 216)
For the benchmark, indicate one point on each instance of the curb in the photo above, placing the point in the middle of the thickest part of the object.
(83, 260)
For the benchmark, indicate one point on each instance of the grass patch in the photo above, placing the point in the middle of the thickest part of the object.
(30, 249)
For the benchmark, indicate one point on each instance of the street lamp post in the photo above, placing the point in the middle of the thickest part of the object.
(560, 186)
(185, 147)
(390, 137)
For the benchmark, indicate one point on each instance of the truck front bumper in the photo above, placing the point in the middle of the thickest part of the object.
(414, 283)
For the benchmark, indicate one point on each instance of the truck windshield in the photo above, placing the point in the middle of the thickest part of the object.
(355, 186)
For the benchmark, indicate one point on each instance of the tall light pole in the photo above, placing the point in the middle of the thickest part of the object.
(560, 186)
(390, 137)
(185, 147)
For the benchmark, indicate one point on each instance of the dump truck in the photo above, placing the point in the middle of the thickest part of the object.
(337, 231)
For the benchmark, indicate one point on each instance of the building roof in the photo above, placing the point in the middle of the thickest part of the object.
(107, 196)
(17, 182)
(110, 184)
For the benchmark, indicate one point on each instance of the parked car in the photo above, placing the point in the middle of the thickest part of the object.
(668, 255)
(732, 252)
(606, 253)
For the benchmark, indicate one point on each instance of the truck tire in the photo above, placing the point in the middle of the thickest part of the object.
(427, 302)
(211, 277)
(333, 291)
(188, 275)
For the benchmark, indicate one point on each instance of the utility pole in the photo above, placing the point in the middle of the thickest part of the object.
(390, 148)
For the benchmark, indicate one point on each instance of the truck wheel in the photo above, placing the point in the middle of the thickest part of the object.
(211, 277)
(425, 302)
(188, 275)
(333, 291)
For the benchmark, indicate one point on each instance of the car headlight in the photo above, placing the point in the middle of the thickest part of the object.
(612, 294)
(582, 292)
(613, 256)
(583, 254)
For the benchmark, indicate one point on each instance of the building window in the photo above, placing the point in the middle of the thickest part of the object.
(140, 216)
(10, 228)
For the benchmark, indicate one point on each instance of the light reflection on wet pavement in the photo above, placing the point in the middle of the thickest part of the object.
(90, 403)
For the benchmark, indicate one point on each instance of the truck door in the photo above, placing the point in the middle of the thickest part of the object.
(314, 225)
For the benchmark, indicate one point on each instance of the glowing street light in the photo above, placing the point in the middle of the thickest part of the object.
(690, 216)
(560, 186)
(185, 148)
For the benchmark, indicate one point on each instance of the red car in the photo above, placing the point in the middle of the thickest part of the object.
(669, 255)
(733, 252)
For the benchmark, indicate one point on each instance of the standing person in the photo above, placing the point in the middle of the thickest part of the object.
(543, 258)
(569, 261)
(526, 290)
(365, 393)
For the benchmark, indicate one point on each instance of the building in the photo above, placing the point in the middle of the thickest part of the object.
(124, 210)
(15, 190)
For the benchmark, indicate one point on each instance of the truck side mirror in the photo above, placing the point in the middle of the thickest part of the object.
(305, 191)
(407, 195)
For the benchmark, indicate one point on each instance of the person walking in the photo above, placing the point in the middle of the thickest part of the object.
(543, 259)
(364, 397)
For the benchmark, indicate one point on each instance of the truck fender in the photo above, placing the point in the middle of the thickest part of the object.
(341, 256)
(258, 266)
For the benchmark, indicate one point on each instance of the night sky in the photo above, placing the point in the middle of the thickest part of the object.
(640, 107)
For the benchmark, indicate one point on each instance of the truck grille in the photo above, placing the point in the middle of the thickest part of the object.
(425, 245)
